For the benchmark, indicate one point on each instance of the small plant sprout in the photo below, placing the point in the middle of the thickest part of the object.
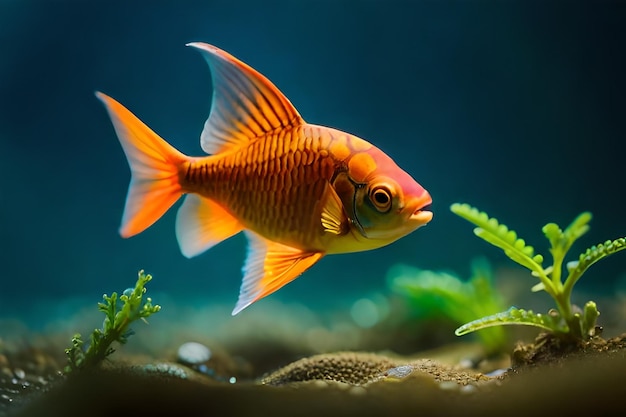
(564, 320)
(119, 314)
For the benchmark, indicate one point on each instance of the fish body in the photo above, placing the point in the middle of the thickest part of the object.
(299, 191)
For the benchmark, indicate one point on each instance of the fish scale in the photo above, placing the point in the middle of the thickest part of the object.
(250, 184)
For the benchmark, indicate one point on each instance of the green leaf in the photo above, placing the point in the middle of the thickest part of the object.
(578, 227)
(562, 241)
(553, 232)
(590, 316)
(599, 251)
(512, 316)
(431, 291)
(499, 235)
(593, 255)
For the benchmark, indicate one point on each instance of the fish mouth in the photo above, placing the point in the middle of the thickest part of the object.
(422, 215)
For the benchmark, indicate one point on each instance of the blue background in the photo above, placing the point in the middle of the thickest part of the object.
(518, 108)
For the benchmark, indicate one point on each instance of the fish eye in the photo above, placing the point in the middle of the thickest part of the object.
(381, 197)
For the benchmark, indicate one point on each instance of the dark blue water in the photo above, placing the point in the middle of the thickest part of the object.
(516, 107)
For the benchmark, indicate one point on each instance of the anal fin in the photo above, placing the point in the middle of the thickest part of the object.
(268, 267)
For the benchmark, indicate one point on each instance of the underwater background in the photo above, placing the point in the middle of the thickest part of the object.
(518, 108)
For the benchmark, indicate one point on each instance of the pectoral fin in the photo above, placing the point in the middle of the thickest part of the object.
(268, 267)
(333, 218)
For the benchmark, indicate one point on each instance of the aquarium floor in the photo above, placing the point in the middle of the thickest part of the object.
(579, 384)
(269, 363)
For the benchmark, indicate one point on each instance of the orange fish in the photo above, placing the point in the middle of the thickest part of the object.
(299, 191)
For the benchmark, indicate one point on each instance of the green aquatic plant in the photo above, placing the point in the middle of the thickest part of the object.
(119, 312)
(438, 293)
(565, 320)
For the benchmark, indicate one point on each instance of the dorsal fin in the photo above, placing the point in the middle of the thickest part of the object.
(245, 104)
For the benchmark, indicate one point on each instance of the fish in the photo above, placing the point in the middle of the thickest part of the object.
(298, 191)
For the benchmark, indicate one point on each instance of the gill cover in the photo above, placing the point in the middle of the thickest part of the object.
(348, 191)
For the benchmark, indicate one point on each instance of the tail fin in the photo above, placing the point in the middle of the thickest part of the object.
(154, 184)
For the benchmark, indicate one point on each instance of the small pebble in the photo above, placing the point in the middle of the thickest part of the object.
(497, 372)
(449, 385)
(399, 371)
(193, 353)
(19, 373)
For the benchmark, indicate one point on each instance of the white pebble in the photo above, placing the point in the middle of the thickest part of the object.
(19, 373)
(448, 385)
(399, 371)
(193, 353)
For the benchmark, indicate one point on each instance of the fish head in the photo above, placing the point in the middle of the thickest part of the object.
(382, 201)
